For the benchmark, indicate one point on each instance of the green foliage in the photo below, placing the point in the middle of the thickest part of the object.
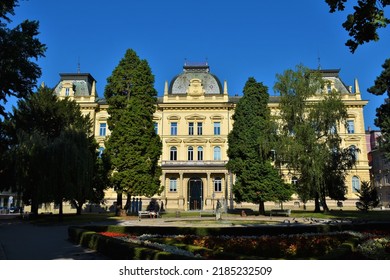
(18, 47)
(368, 197)
(362, 25)
(382, 82)
(380, 87)
(54, 153)
(133, 146)
(250, 143)
(309, 145)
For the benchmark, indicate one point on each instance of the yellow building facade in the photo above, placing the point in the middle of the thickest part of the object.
(193, 119)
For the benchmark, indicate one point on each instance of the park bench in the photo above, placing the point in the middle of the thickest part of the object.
(280, 212)
(148, 214)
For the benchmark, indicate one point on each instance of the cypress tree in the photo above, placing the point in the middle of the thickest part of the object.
(133, 146)
(250, 143)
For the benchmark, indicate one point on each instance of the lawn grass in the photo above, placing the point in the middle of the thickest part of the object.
(194, 217)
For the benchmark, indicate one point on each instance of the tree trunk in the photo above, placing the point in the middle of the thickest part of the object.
(61, 212)
(261, 208)
(118, 203)
(119, 200)
(79, 207)
(317, 208)
(324, 205)
(34, 207)
(128, 202)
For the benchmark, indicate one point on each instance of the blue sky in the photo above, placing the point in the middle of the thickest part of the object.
(239, 39)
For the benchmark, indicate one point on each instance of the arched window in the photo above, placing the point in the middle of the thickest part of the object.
(294, 180)
(217, 184)
(355, 184)
(173, 153)
(190, 153)
(217, 153)
(200, 153)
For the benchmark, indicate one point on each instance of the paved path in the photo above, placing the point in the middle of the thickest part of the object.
(24, 241)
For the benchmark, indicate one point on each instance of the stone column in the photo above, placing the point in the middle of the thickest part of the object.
(181, 191)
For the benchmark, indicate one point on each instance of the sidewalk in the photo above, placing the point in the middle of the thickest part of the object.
(21, 240)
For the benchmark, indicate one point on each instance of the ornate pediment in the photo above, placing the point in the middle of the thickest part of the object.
(173, 117)
(217, 140)
(195, 140)
(352, 139)
(216, 117)
(195, 117)
(173, 141)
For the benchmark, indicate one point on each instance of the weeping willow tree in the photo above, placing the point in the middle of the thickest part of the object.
(309, 145)
(54, 153)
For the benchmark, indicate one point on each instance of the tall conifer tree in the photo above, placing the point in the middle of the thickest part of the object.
(133, 146)
(250, 143)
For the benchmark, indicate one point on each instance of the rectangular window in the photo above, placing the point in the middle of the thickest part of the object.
(173, 184)
(67, 91)
(191, 128)
(156, 127)
(174, 128)
(217, 184)
(173, 153)
(350, 126)
(103, 129)
(329, 88)
(200, 128)
(217, 128)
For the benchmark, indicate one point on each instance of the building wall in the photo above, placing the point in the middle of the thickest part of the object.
(209, 175)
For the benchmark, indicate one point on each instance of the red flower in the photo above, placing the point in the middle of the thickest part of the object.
(112, 234)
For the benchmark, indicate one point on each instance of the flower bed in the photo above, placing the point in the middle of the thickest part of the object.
(347, 244)
(245, 247)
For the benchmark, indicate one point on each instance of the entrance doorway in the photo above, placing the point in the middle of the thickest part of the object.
(195, 190)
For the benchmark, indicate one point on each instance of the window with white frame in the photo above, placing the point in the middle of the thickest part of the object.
(355, 184)
(190, 128)
(200, 128)
(173, 128)
(200, 153)
(217, 184)
(103, 129)
(173, 184)
(190, 153)
(67, 90)
(217, 153)
(350, 126)
(173, 153)
(217, 128)
(329, 88)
